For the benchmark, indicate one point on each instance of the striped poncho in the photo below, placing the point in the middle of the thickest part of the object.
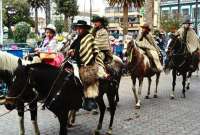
(102, 39)
(89, 51)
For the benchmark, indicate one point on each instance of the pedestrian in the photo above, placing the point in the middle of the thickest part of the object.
(146, 41)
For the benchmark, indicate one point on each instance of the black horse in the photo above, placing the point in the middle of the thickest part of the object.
(59, 90)
(8, 64)
(181, 62)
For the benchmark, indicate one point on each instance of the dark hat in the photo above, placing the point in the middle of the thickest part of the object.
(82, 23)
(97, 18)
(145, 26)
(103, 20)
(187, 21)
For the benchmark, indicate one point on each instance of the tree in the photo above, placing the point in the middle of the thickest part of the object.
(126, 4)
(149, 12)
(36, 4)
(21, 32)
(15, 11)
(68, 8)
(48, 11)
(170, 24)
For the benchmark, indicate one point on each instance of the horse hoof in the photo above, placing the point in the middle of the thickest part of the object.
(109, 132)
(147, 97)
(137, 107)
(96, 132)
(155, 96)
(172, 97)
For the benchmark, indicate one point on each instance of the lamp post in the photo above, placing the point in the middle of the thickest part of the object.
(196, 17)
(1, 24)
(10, 12)
(90, 11)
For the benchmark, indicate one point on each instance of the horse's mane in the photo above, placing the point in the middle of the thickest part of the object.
(9, 62)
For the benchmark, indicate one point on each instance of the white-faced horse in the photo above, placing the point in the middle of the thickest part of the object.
(140, 67)
(8, 64)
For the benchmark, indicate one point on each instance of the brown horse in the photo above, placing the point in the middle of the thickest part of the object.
(140, 66)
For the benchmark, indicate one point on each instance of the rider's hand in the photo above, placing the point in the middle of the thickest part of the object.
(71, 52)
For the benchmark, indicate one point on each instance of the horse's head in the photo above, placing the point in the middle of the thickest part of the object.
(176, 44)
(130, 46)
(19, 84)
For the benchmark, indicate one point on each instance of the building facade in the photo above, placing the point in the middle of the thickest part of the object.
(115, 18)
(187, 10)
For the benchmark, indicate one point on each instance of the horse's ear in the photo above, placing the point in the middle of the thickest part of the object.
(20, 62)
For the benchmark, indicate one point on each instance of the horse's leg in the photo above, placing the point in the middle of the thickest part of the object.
(156, 89)
(20, 110)
(188, 80)
(139, 92)
(134, 89)
(183, 83)
(149, 87)
(117, 94)
(33, 111)
(112, 104)
(71, 118)
(63, 121)
(102, 108)
(173, 83)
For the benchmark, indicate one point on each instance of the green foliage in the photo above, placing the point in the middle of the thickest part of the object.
(32, 35)
(67, 7)
(22, 29)
(59, 24)
(170, 24)
(136, 3)
(21, 12)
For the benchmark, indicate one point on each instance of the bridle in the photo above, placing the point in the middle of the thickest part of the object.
(28, 83)
(130, 57)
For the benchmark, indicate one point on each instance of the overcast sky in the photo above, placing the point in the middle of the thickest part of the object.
(84, 5)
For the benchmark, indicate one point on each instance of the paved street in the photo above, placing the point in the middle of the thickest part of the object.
(160, 116)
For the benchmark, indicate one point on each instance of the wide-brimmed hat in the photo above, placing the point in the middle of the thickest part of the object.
(103, 20)
(82, 23)
(51, 27)
(145, 26)
(187, 21)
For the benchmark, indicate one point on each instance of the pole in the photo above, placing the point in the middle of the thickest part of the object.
(196, 17)
(90, 11)
(1, 24)
(179, 13)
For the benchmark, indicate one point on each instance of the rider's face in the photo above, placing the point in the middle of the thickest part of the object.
(187, 25)
(49, 33)
(97, 24)
(80, 30)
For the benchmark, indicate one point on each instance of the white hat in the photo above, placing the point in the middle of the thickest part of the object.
(51, 27)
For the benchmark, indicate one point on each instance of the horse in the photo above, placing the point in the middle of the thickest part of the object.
(140, 67)
(182, 63)
(60, 93)
(8, 65)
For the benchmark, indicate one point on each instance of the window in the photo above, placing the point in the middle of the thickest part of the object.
(194, 12)
(185, 12)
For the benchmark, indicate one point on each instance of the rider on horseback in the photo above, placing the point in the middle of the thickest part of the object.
(188, 37)
(101, 39)
(147, 42)
(86, 53)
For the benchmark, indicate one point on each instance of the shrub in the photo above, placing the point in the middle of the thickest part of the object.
(22, 29)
